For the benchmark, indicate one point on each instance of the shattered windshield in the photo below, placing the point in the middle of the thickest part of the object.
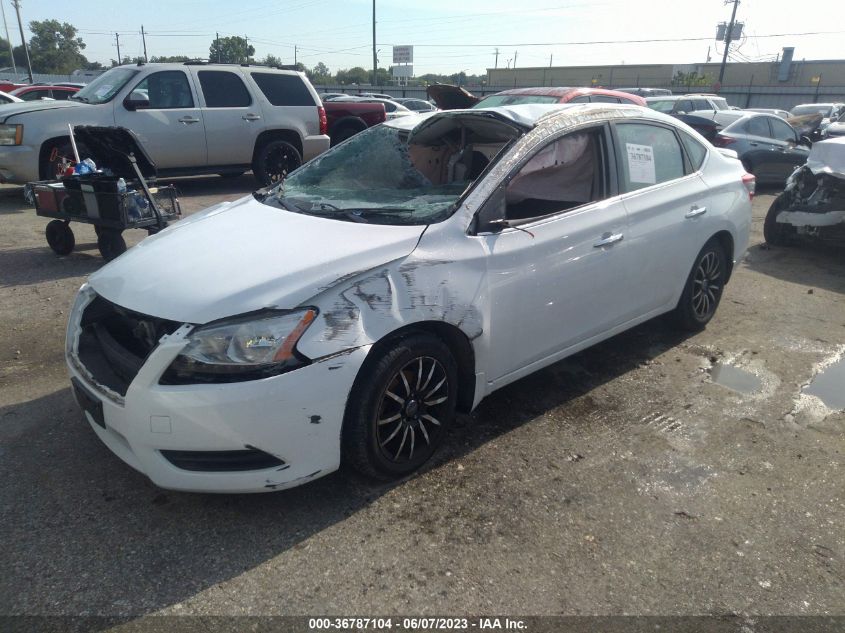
(106, 86)
(377, 176)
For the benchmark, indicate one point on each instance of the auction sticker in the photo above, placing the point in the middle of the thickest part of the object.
(641, 163)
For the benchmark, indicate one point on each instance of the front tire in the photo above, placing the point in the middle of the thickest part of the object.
(774, 232)
(274, 161)
(704, 287)
(400, 407)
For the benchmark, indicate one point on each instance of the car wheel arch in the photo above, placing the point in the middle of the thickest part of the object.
(348, 122)
(726, 241)
(453, 337)
(44, 154)
(269, 136)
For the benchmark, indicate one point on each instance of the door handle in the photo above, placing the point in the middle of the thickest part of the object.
(249, 116)
(189, 119)
(696, 211)
(608, 239)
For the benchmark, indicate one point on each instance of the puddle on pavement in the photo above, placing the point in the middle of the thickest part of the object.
(734, 378)
(829, 385)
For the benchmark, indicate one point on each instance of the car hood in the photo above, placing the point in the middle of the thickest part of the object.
(239, 257)
(25, 107)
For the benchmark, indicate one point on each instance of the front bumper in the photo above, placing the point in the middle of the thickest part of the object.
(18, 164)
(295, 417)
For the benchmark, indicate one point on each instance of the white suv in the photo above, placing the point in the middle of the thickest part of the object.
(191, 118)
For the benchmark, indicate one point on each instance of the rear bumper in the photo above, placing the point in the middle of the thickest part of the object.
(313, 146)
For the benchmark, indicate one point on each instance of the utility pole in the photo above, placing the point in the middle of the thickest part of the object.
(496, 61)
(144, 40)
(515, 53)
(728, 34)
(217, 44)
(117, 40)
(375, 59)
(294, 54)
(246, 50)
(17, 5)
(9, 39)
(550, 61)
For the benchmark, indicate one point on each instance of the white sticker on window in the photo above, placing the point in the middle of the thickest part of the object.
(102, 91)
(641, 163)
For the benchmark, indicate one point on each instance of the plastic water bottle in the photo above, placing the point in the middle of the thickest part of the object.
(121, 185)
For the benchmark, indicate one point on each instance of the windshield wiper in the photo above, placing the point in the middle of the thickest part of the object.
(78, 98)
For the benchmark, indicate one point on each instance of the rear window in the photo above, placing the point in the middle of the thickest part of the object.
(283, 90)
(223, 89)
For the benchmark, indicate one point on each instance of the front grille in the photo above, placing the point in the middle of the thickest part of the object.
(222, 461)
(114, 342)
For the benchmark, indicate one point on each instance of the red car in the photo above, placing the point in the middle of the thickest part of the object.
(36, 92)
(454, 97)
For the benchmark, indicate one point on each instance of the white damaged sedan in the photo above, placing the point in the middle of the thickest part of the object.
(402, 276)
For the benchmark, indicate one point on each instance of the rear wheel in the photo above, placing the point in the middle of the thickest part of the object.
(703, 289)
(111, 243)
(777, 233)
(60, 237)
(400, 406)
(274, 161)
(342, 134)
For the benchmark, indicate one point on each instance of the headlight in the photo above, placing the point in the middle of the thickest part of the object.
(246, 348)
(11, 134)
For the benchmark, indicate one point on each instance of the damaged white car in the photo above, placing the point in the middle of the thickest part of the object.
(398, 278)
(813, 203)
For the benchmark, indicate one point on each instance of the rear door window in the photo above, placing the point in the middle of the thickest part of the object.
(223, 89)
(283, 90)
(782, 131)
(685, 105)
(648, 155)
(758, 126)
(61, 95)
(580, 99)
(695, 151)
(35, 95)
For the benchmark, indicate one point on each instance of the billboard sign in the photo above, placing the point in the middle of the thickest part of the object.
(403, 54)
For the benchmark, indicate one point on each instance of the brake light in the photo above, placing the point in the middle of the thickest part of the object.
(750, 182)
(324, 122)
(723, 141)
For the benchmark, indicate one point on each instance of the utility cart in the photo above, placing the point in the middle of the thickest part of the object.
(124, 197)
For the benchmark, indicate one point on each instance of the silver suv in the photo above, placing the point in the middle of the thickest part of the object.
(192, 118)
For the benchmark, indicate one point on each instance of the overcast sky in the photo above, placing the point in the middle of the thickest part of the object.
(339, 33)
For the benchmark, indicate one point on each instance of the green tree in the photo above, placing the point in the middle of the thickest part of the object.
(230, 50)
(164, 59)
(54, 47)
(271, 60)
(320, 74)
(356, 75)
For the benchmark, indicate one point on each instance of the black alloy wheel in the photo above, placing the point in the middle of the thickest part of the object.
(401, 404)
(275, 161)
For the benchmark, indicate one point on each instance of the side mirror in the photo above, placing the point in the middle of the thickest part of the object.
(490, 218)
(136, 101)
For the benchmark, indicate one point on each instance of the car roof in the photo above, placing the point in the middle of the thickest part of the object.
(531, 114)
(697, 95)
(561, 91)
